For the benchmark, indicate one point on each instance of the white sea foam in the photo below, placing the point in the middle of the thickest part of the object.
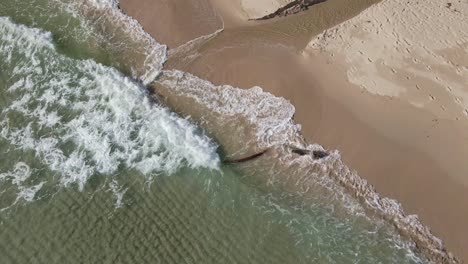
(110, 120)
(270, 115)
(118, 193)
(18, 176)
(104, 3)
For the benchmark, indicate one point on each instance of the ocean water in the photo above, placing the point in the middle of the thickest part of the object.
(96, 169)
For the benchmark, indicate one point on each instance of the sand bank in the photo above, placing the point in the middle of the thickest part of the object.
(410, 153)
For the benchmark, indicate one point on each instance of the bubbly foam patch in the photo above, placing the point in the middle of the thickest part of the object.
(118, 193)
(81, 118)
(19, 177)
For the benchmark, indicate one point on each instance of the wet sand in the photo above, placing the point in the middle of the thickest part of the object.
(408, 153)
(174, 22)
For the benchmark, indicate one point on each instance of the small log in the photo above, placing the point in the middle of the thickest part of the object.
(249, 158)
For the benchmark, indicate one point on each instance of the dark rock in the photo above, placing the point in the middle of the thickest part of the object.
(317, 154)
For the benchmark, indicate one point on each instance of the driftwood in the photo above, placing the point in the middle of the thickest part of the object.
(316, 154)
(249, 158)
(292, 8)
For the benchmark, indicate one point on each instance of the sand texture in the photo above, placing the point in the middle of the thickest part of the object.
(414, 49)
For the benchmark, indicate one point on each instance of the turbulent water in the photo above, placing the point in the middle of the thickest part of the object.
(94, 169)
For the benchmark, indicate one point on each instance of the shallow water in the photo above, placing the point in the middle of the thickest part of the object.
(94, 169)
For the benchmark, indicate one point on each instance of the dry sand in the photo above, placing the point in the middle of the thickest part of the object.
(407, 146)
(412, 49)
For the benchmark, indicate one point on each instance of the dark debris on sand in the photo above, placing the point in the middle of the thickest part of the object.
(292, 8)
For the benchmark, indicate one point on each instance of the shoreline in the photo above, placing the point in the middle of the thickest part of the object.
(173, 31)
(356, 131)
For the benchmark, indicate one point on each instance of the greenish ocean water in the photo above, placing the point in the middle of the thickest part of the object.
(93, 169)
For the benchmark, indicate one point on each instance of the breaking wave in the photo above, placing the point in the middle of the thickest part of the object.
(81, 118)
